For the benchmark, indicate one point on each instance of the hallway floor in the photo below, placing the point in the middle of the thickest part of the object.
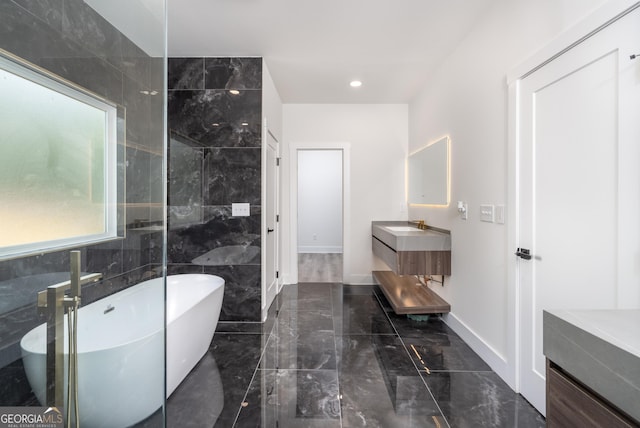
(319, 267)
(337, 356)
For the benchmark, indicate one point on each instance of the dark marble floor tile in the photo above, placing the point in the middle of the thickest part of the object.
(367, 402)
(361, 314)
(199, 399)
(447, 353)
(291, 320)
(407, 327)
(357, 290)
(307, 290)
(373, 356)
(380, 386)
(292, 398)
(197, 402)
(236, 357)
(384, 303)
(242, 327)
(303, 351)
(307, 297)
(481, 399)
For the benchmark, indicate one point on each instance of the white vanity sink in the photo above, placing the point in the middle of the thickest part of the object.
(408, 250)
(406, 237)
(404, 229)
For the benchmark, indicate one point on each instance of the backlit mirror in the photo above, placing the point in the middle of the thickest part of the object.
(61, 178)
(429, 174)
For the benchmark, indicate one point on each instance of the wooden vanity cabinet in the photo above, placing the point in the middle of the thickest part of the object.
(570, 404)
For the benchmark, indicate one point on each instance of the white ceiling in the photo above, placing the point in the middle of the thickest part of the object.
(313, 49)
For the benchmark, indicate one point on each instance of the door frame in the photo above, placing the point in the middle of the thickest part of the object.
(601, 18)
(346, 205)
(264, 218)
(266, 131)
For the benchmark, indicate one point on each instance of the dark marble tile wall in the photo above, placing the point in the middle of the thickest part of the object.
(215, 160)
(70, 39)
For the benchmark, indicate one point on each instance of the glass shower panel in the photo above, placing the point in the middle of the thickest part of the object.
(115, 50)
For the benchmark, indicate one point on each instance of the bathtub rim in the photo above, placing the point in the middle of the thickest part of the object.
(219, 283)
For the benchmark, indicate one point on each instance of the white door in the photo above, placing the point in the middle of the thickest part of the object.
(271, 207)
(578, 187)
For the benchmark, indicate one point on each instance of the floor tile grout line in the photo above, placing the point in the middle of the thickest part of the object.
(335, 349)
(460, 371)
(246, 393)
(255, 371)
(412, 360)
(281, 369)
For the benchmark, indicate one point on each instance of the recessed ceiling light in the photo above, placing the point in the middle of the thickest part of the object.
(245, 124)
(355, 83)
(234, 92)
(215, 124)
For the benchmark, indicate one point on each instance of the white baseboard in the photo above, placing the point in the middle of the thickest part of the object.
(320, 249)
(494, 359)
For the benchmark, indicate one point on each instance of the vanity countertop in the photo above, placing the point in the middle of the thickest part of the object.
(601, 349)
(405, 236)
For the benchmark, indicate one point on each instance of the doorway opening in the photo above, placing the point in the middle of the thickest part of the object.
(320, 215)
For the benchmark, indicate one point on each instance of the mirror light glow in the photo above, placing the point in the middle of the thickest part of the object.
(428, 171)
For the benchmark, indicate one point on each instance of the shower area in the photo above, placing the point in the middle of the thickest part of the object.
(83, 210)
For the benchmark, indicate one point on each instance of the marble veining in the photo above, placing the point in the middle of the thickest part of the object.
(70, 39)
(232, 175)
(51, 14)
(215, 73)
(215, 160)
(217, 118)
(185, 73)
(233, 73)
(229, 255)
(311, 367)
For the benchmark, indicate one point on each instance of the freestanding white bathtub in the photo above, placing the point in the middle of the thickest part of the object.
(121, 347)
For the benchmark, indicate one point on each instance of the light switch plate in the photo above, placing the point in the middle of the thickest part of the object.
(499, 214)
(486, 213)
(240, 210)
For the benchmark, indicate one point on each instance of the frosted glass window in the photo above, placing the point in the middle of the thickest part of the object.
(58, 163)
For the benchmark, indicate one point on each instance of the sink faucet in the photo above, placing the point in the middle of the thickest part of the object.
(422, 225)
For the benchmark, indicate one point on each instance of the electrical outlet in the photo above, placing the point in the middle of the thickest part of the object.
(486, 213)
(240, 210)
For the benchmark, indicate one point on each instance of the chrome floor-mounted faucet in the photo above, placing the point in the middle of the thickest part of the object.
(54, 302)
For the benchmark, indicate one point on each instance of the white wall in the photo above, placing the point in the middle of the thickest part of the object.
(466, 98)
(319, 201)
(271, 103)
(378, 137)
